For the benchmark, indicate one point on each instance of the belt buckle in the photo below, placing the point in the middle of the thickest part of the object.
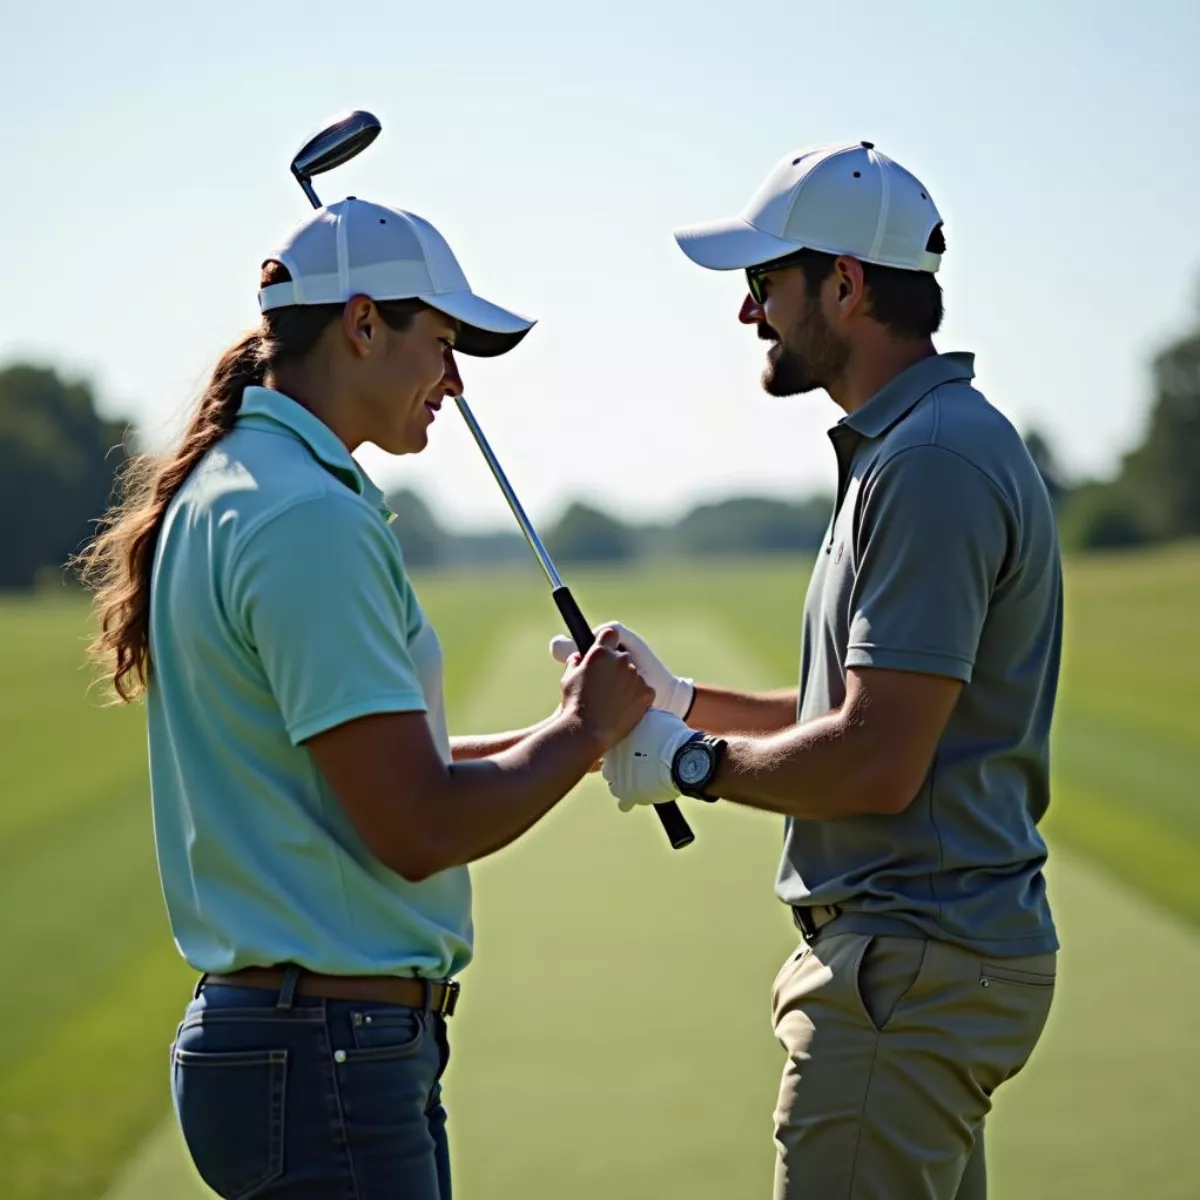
(449, 998)
(804, 922)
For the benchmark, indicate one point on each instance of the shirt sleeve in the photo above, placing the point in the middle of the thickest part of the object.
(320, 595)
(931, 540)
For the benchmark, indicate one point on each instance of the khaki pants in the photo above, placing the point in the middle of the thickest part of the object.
(895, 1046)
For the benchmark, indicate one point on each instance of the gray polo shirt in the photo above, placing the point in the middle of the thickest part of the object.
(942, 557)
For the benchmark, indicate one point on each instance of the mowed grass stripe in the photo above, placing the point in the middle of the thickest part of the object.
(81, 904)
(1154, 775)
(62, 752)
(1128, 845)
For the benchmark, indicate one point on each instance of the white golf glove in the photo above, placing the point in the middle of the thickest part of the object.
(671, 693)
(638, 769)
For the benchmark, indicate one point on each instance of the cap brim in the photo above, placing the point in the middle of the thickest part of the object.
(730, 244)
(487, 329)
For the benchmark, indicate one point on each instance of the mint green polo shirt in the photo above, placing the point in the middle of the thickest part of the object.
(280, 607)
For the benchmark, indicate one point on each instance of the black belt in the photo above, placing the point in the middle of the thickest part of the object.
(811, 918)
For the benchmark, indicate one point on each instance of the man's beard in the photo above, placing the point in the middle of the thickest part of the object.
(810, 355)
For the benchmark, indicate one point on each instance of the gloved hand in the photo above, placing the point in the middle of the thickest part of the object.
(638, 769)
(671, 693)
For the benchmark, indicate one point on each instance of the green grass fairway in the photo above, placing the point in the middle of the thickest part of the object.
(614, 1036)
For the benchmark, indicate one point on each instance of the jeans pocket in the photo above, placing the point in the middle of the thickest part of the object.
(230, 1107)
(396, 1031)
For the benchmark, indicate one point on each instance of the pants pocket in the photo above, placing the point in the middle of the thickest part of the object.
(386, 1033)
(230, 1107)
(781, 976)
(990, 973)
(886, 971)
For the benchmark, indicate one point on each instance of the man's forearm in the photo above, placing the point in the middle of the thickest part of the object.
(722, 711)
(816, 771)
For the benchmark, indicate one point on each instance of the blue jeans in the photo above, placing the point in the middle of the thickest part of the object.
(284, 1097)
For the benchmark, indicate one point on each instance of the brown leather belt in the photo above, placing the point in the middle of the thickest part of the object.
(382, 989)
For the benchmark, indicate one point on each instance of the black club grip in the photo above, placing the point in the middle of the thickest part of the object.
(679, 832)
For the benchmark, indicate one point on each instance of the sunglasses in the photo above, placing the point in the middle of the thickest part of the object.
(754, 275)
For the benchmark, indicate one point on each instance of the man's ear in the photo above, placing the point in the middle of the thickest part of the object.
(851, 285)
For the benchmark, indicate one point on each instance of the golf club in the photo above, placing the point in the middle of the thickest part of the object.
(335, 144)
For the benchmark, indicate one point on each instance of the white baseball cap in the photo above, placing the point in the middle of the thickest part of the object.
(355, 248)
(848, 200)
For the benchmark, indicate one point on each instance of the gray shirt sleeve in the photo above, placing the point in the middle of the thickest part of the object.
(931, 538)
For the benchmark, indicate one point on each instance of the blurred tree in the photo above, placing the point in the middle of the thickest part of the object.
(585, 534)
(423, 541)
(58, 459)
(1100, 516)
(752, 524)
(1163, 474)
(1048, 466)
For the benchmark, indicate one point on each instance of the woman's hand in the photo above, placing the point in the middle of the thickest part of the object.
(604, 691)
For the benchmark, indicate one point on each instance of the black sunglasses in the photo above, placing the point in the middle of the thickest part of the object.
(754, 275)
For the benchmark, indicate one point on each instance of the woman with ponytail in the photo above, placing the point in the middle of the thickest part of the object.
(313, 819)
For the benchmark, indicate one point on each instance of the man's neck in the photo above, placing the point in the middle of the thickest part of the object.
(874, 368)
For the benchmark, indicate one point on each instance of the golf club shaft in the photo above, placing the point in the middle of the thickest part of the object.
(306, 184)
(679, 833)
(535, 542)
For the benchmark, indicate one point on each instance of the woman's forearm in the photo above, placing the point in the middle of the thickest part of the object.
(471, 746)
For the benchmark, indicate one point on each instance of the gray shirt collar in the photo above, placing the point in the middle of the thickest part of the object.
(896, 398)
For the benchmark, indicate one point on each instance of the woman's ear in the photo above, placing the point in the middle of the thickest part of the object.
(359, 318)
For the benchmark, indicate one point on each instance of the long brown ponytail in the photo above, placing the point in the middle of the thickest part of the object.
(119, 562)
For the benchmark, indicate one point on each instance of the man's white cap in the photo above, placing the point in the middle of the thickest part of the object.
(848, 200)
(355, 248)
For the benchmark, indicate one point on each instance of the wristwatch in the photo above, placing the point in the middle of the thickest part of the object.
(694, 765)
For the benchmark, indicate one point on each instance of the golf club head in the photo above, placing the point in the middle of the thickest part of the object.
(337, 143)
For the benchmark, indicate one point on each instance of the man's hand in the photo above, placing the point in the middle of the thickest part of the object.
(671, 693)
(638, 769)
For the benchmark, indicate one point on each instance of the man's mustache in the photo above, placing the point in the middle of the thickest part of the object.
(766, 332)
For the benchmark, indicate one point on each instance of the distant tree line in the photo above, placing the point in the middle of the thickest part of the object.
(59, 460)
(586, 534)
(1155, 493)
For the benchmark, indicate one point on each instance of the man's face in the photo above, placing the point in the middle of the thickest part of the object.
(806, 353)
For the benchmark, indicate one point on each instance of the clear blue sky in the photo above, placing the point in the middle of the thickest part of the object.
(145, 176)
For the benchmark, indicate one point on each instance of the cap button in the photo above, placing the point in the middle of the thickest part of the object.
(867, 145)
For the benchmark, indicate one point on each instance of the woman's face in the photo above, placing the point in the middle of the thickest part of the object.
(406, 379)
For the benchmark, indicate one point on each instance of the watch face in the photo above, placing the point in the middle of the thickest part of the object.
(694, 765)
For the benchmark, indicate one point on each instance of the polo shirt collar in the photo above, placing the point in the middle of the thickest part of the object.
(269, 406)
(899, 396)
